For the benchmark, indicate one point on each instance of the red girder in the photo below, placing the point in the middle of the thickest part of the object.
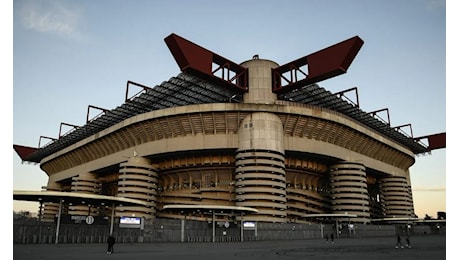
(435, 141)
(24, 151)
(199, 61)
(324, 64)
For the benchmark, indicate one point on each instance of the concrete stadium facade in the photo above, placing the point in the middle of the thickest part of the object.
(286, 159)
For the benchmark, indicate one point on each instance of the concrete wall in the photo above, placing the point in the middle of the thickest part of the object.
(170, 230)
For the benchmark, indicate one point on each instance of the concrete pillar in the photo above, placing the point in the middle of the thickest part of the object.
(349, 192)
(259, 81)
(138, 179)
(396, 197)
(50, 209)
(89, 184)
(260, 167)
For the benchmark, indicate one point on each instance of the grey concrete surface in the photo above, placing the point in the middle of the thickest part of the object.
(423, 247)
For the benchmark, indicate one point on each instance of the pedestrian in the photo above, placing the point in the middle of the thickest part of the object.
(332, 238)
(110, 243)
(398, 242)
(407, 242)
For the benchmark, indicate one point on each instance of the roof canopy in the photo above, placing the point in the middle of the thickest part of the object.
(75, 198)
(199, 88)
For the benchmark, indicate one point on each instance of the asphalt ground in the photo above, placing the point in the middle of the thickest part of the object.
(422, 247)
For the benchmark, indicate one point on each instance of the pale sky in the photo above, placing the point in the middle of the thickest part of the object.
(71, 54)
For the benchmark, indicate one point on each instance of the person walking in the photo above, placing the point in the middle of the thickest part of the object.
(407, 241)
(398, 242)
(110, 243)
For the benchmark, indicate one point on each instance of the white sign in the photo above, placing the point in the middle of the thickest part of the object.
(249, 225)
(89, 220)
(130, 220)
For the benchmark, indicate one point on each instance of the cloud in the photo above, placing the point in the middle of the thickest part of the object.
(443, 189)
(51, 18)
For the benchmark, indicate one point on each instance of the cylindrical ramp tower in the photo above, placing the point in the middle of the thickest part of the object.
(349, 192)
(396, 197)
(50, 210)
(89, 184)
(260, 167)
(138, 179)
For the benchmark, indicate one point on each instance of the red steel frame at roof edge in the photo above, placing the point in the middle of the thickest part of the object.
(324, 64)
(435, 141)
(199, 61)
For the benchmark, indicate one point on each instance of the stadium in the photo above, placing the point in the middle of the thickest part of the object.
(256, 140)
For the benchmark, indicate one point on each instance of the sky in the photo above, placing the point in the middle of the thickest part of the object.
(67, 55)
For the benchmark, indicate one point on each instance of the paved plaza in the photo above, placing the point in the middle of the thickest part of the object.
(423, 247)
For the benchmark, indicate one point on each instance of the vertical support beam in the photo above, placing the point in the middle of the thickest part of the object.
(213, 227)
(58, 221)
(182, 230)
(337, 226)
(242, 228)
(112, 217)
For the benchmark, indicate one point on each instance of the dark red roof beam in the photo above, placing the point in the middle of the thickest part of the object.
(435, 141)
(24, 151)
(199, 61)
(324, 64)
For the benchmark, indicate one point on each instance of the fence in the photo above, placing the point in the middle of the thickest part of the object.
(176, 230)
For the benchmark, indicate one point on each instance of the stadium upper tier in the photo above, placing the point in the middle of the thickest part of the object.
(186, 89)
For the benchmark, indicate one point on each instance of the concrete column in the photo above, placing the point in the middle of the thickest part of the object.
(260, 167)
(182, 230)
(85, 183)
(138, 179)
(396, 197)
(259, 81)
(349, 192)
(50, 209)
